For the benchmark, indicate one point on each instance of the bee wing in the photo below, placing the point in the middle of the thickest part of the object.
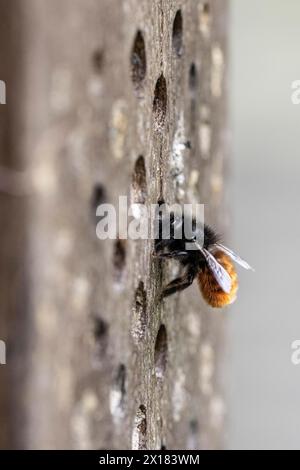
(220, 274)
(234, 256)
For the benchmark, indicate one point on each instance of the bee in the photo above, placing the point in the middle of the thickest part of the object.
(210, 261)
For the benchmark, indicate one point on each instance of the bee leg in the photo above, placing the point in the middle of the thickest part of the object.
(179, 284)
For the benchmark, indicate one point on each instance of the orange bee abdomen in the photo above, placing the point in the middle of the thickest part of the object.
(211, 291)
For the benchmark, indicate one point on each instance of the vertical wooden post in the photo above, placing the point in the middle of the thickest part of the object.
(110, 92)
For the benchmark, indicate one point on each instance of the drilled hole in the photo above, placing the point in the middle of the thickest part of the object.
(140, 429)
(119, 260)
(194, 426)
(121, 379)
(139, 181)
(193, 83)
(100, 329)
(160, 101)
(98, 60)
(118, 394)
(139, 317)
(138, 60)
(100, 333)
(177, 34)
(205, 132)
(193, 435)
(160, 229)
(98, 197)
(205, 18)
(193, 78)
(205, 11)
(161, 352)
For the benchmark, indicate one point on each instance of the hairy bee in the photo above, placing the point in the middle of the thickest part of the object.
(210, 261)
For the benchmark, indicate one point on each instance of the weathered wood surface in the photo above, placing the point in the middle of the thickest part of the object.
(101, 95)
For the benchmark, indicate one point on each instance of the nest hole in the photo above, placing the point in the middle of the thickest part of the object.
(139, 317)
(161, 352)
(177, 34)
(193, 78)
(139, 181)
(205, 18)
(100, 333)
(118, 393)
(138, 60)
(100, 329)
(120, 380)
(193, 435)
(98, 60)
(139, 433)
(119, 260)
(160, 101)
(98, 196)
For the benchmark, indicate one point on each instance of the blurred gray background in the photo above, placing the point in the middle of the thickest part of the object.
(263, 389)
